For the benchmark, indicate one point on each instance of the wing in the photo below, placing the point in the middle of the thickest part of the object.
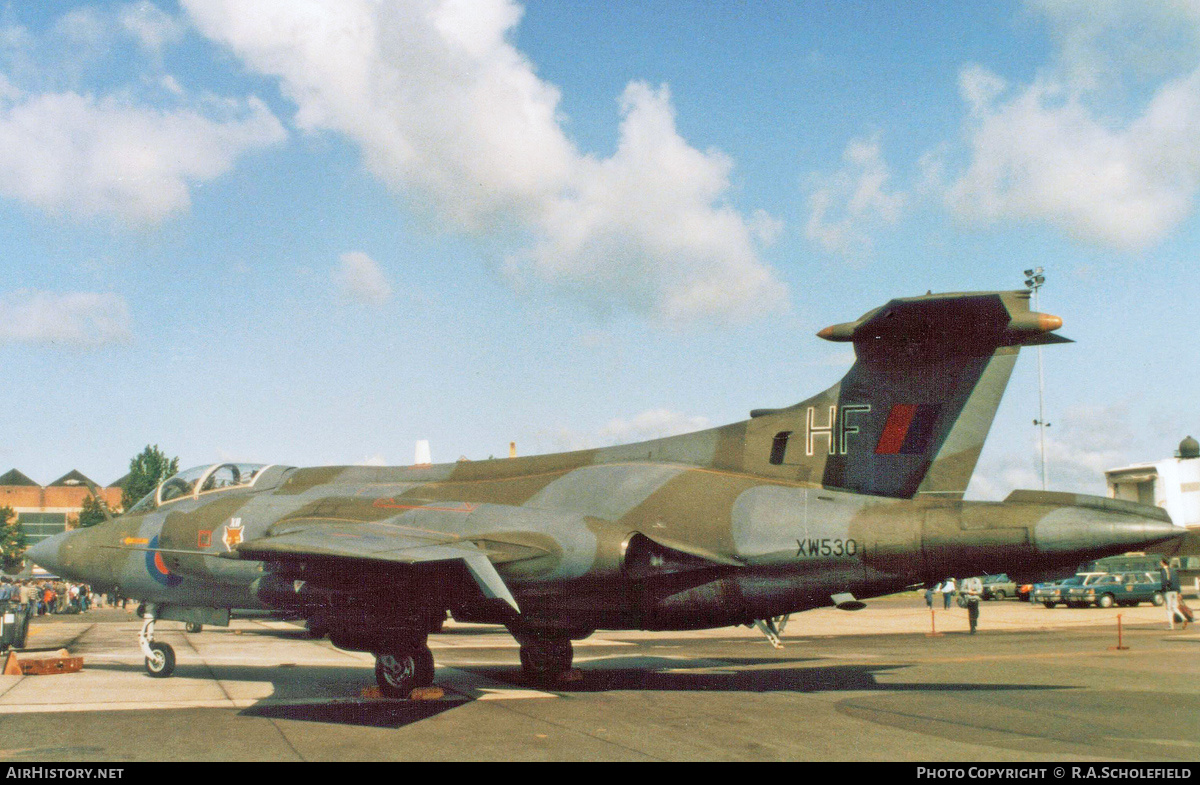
(333, 541)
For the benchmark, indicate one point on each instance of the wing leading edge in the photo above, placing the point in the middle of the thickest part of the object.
(391, 544)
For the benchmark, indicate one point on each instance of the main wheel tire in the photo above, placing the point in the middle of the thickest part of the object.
(1105, 601)
(1049, 604)
(192, 626)
(396, 673)
(1158, 599)
(162, 664)
(545, 659)
(999, 595)
(399, 673)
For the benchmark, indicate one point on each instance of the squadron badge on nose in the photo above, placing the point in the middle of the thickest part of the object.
(232, 536)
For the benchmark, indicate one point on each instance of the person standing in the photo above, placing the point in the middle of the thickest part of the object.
(28, 596)
(929, 597)
(972, 593)
(1170, 590)
(948, 589)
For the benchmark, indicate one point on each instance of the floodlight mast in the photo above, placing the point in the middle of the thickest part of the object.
(1034, 280)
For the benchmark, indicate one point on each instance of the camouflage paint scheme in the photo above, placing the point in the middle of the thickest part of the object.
(856, 490)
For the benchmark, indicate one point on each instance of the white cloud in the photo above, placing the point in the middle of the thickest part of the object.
(8, 91)
(765, 227)
(1081, 445)
(153, 28)
(72, 153)
(132, 153)
(81, 43)
(1091, 439)
(360, 279)
(644, 228)
(86, 27)
(650, 424)
(1079, 147)
(846, 207)
(1102, 43)
(449, 113)
(996, 479)
(434, 95)
(71, 319)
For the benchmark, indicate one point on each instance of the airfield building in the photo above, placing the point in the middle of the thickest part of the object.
(45, 510)
(1174, 485)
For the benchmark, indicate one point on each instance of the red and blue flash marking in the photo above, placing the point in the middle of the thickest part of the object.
(908, 430)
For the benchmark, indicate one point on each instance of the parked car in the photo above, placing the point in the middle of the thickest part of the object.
(1078, 596)
(1121, 588)
(997, 587)
(1055, 592)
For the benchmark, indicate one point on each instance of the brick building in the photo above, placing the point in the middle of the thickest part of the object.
(46, 510)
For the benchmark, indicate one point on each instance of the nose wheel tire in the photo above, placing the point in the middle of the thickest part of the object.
(399, 673)
(162, 663)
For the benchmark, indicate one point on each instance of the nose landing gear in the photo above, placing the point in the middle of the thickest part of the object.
(160, 657)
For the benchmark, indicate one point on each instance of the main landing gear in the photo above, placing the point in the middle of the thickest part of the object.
(545, 660)
(160, 657)
(772, 628)
(400, 672)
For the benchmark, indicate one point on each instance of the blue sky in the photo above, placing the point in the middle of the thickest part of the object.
(314, 233)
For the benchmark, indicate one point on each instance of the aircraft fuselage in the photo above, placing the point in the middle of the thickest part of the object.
(611, 546)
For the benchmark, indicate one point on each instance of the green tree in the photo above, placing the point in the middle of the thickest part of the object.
(146, 470)
(12, 541)
(93, 512)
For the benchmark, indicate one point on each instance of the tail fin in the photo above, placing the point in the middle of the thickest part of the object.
(912, 414)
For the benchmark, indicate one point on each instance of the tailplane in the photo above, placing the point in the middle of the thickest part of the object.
(912, 414)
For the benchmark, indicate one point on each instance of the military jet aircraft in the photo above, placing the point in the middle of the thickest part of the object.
(853, 493)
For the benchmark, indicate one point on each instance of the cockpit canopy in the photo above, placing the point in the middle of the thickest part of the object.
(199, 480)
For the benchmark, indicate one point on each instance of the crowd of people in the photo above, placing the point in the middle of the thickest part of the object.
(41, 597)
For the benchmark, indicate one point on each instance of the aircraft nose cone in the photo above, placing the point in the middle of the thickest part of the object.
(45, 553)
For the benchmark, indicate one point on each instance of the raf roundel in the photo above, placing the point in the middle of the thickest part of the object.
(157, 567)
